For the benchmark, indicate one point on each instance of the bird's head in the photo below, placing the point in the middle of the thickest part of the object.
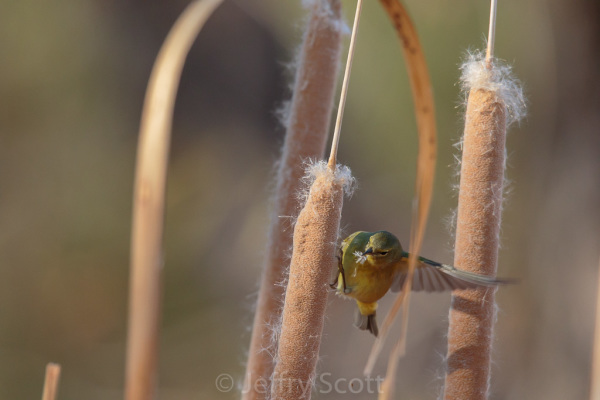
(383, 248)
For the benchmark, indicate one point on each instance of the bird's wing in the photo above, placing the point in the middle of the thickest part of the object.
(431, 276)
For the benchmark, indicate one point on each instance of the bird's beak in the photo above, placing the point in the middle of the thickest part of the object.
(369, 251)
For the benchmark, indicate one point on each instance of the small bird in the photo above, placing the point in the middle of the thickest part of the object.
(370, 263)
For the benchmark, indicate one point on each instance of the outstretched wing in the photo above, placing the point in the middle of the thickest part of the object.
(432, 276)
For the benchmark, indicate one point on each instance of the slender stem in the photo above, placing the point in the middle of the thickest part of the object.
(595, 389)
(489, 55)
(51, 381)
(344, 92)
(145, 284)
(422, 94)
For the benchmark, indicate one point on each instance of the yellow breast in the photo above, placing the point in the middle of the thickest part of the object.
(368, 284)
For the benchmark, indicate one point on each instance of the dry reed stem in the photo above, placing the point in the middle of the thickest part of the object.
(313, 257)
(489, 54)
(51, 381)
(595, 381)
(473, 311)
(344, 92)
(149, 199)
(425, 114)
(306, 137)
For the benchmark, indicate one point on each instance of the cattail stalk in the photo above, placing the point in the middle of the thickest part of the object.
(313, 257)
(595, 381)
(149, 202)
(335, 141)
(51, 381)
(307, 123)
(489, 53)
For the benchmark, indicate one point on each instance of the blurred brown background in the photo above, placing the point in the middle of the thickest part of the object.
(72, 81)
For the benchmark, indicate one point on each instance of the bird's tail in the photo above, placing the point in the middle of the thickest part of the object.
(366, 322)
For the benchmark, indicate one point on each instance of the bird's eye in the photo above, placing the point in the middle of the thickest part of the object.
(383, 253)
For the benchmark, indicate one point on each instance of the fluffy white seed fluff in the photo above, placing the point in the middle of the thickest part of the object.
(499, 78)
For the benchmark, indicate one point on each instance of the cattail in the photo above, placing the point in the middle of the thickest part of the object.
(307, 121)
(494, 101)
(315, 240)
(51, 381)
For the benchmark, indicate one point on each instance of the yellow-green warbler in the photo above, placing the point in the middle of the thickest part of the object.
(370, 263)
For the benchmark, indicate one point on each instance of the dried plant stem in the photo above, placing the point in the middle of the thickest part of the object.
(315, 239)
(489, 54)
(473, 311)
(344, 93)
(595, 387)
(51, 381)
(149, 199)
(306, 137)
(427, 153)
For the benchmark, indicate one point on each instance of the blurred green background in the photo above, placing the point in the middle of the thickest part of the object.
(72, 82)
